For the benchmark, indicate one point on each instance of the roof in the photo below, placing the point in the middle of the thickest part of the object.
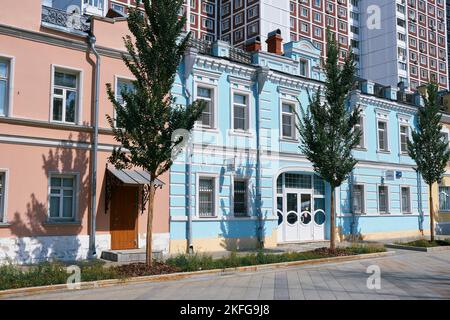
(134, 177)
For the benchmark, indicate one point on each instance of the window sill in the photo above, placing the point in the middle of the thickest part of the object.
(289, 140)
(61, 223)
(5, 224)
(240, 133)
(383, 152)
(204, 129)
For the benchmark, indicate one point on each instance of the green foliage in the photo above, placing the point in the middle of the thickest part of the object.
(427, 148)
(423, 243)
(327, 128)
(149, 115)
(49, 273)
(196, 262)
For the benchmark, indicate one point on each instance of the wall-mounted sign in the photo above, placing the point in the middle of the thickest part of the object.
(398, 174)
(389, 175)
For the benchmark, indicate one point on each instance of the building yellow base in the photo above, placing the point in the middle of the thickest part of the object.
(222, 244)
(395, 235)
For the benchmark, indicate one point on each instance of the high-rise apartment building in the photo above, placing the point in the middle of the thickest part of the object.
(393, 41)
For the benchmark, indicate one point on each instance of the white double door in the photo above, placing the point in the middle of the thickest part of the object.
(300, 221)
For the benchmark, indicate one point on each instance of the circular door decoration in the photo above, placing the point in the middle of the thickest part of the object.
(319, 217)
(280, 218)
(292, 218)
(305, 218)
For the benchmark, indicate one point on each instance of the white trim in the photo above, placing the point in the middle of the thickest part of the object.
(79, 103)
(4, 216)
(215, 101)
(216, 197)
(295, 104)
(76, 189)
(403, 120)
(386, 130)
(410, 199)
(388, 204)
(364, 194)
(249, 185)
(116, 82)
(10, 83)
(249, 113)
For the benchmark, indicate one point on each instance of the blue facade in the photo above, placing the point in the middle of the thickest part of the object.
(251, 104)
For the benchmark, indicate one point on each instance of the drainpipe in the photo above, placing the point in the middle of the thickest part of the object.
(92, 246)
(261, 78)
(419, 198)
(189, 174)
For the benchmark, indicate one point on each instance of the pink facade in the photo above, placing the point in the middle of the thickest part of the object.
(34, 147)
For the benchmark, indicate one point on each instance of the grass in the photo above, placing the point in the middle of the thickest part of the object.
(198, 262)
(51, 273)
(424, 243)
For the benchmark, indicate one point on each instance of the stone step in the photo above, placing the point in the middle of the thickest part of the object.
(129, 256)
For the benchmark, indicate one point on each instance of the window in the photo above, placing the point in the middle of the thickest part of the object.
(122, 86)
(4, 86)
(304, 68)
(444, 198)
(406, 200)
(65, 96)
(206, 94)
(62, 197)
(358, 199)
(288, 121)
(404, 136)
(360, 126)
(240, 112)
(2, 196)
(383, 200)
(206, 195)
(118, 7)
(240, 198)
(382, 136)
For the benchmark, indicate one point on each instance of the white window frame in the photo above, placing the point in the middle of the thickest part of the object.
(9, 85)
(410, 200)
(76, 178)
(247, 110)
(242, 87)
(4, 196)
(116, 93)
(403, 121)
(216, 195)
(212, 84)
(388, 206)
(295, 105)
(78, 105)
(364, 208)
(362, 117)
(307, 67)
(439, 202)
(248, 199)
(386, 131)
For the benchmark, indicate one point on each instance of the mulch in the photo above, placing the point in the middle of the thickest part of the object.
(141, 269)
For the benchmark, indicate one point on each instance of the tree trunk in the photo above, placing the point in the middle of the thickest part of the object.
(151, 198)
(431, 213)
(332, 223)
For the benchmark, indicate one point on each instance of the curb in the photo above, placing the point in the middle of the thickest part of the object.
(182, 275)
(421, 249)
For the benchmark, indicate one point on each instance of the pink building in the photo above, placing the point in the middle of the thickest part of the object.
(47, 103)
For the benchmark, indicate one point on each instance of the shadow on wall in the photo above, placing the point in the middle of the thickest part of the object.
(235, 234)
(34, 233)
(349, 227)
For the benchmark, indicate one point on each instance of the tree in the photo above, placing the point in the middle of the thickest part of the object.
(428, 148)
(327, 127)
(148, 115)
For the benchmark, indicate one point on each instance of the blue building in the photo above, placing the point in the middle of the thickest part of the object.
(242, 179)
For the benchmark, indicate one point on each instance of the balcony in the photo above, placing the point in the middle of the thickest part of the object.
(60, 20)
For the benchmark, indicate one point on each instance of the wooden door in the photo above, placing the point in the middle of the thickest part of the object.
(124, 217)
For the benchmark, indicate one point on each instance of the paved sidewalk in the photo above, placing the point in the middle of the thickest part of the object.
(406, 275)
